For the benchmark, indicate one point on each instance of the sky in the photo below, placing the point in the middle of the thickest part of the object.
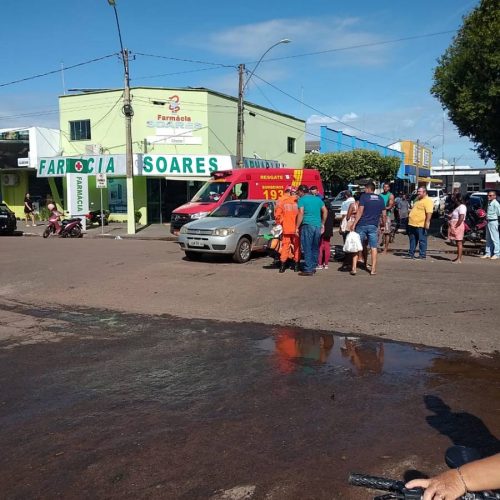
(364, 66)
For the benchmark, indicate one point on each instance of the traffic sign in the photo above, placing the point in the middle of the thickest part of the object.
(101, 181)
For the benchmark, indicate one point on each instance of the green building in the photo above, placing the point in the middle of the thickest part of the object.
(187, 126)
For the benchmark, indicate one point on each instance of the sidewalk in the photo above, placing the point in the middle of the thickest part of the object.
(118, 230)
(112, 230)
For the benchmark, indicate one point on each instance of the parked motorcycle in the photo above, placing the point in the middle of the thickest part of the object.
(94, 217)
(70, 228)
(475, 226)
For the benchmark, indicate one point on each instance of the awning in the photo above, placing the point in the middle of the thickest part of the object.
(430, 179)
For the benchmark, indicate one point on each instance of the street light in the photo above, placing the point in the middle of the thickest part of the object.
(128, 113)
(241, 105)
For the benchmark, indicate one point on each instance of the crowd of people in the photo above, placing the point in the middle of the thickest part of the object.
(368, 222)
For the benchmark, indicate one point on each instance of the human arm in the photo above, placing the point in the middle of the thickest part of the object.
(358, 215)
(390, 203)
(429, 210)
(479, 475)
(300, 218)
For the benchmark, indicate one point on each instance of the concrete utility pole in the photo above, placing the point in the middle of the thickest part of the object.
(128, 112)
(417, 164)
(453, 176)
(241, 104)
(241, 123)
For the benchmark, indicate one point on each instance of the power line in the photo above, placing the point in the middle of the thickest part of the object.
(57, 70)
(185, 60)
(359, 46)
(178, 73)
(321, 112)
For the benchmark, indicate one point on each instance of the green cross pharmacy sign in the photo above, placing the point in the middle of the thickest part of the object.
(170, 166)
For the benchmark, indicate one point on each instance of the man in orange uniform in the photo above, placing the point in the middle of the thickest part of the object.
(285, 214)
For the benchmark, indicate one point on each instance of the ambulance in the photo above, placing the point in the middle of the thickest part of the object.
(241, 184)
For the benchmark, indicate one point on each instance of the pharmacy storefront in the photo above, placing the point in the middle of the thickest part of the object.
(161, 182)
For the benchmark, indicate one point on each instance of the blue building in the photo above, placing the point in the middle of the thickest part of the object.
(334, 141)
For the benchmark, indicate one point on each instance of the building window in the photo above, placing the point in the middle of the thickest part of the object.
(79, 130)
(291, 145)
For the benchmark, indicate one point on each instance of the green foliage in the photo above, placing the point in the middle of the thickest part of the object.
(348, 166)
(44, 213)
(467, 79)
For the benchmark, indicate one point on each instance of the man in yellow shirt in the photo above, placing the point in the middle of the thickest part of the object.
(419, 221)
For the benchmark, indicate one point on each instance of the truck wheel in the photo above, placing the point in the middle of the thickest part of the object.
(193, 255)
(243, 251)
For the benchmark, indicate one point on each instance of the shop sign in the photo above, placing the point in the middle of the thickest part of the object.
(184, 165)
(261, 163)
(23, 162)
(59, 166)
(78, 194)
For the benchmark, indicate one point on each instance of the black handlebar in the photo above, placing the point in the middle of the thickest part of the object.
(400, 492)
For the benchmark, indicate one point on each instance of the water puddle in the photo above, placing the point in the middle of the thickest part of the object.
(296, 350)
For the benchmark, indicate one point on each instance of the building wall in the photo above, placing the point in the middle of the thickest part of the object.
(205, 124)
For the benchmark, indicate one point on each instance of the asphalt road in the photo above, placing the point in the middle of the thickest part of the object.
(103, 404)
(128, 372)
(432, 302)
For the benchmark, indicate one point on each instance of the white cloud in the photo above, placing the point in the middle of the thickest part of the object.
(307, 34)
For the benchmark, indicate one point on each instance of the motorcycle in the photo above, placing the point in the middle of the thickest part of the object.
(94, 217)
(474, 226)
(70, 228)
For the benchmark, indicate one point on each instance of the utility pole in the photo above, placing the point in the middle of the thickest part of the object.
(417, 164)
(453, 176)
(241, 122)
(128, 113)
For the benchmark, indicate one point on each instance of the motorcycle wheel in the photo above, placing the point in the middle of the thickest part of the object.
(46, 232)
(76, 232)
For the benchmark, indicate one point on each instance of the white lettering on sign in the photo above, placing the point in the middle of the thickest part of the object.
(184, 165)
(57, 166)
(77, 194)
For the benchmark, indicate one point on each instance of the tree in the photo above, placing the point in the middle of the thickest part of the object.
(467, 79)
(348, 166)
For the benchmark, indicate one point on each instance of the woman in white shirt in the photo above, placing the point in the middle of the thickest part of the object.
(457, 226)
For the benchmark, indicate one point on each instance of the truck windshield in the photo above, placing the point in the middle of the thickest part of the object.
(211, 191)
(238, 209)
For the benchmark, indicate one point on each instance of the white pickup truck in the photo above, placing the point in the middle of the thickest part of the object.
(437, 196)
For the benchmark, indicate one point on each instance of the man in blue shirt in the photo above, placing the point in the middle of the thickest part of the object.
(311, 223)
(371, 208)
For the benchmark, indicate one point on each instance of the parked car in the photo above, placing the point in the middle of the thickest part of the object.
(236, 228)
(8, 223)
(479, 199)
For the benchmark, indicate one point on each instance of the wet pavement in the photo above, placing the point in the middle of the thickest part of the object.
(101, 404)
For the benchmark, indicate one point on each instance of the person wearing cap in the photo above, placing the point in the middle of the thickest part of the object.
(285, 213)
(311, 224)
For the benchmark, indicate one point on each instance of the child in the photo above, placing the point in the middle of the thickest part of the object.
(54, 217)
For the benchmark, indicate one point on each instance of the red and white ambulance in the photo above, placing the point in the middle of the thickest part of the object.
(241, 184)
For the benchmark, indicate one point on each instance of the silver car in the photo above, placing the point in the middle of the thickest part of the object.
(236, 228)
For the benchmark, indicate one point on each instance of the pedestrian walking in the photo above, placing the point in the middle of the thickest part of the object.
(370, 212)
(344, 208)
(310, 225)
(29, 211)
(325, 245)
(403, 211)
(350, 217)
(492, 250)
(388, 198)
(285, 213)
(456, 226)
(419, 221)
